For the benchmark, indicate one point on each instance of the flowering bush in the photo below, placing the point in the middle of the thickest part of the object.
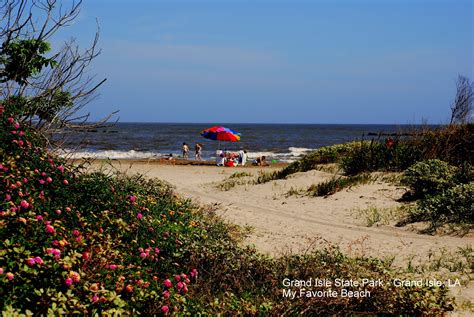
(85, 243)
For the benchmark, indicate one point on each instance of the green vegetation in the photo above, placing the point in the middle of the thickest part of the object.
(454, 205)
(237, 178)
(451, 144)
(431, 177)
(373, 215)
(324, 155)
(337, 183)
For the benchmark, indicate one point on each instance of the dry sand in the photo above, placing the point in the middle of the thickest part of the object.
(282, 224)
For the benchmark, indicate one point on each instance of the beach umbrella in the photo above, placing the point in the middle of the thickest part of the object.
(220, 133)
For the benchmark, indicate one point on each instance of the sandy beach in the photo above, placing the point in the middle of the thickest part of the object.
(282, 223)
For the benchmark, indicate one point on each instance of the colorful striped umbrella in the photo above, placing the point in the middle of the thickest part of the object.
(220, 133)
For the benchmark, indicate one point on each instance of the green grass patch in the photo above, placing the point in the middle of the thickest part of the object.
(337, 183)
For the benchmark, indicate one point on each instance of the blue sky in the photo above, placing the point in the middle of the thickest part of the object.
(279, 61)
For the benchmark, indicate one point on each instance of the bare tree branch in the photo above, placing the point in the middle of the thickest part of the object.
(462, 107)
(54, 95)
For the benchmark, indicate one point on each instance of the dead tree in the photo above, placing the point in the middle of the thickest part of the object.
(462, 107)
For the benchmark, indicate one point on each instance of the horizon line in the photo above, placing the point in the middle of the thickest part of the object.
(268, 123)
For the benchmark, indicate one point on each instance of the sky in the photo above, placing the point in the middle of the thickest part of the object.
(230, 61)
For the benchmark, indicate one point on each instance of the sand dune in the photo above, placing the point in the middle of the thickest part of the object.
(284, 224)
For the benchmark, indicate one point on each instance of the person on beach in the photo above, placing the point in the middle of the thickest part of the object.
(260, 161)
(242, 157)
(185, 150)
(220, 158)
(198, 149)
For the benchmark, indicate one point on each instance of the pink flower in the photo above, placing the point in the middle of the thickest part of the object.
(61, 168)
(165, 309)
(76, 233)
(39, 260)
(133, 198)
(44, 174)
(143, 255)
(68, 281)
(194, 273)
(1, 270)
(55, 252)
(25, 180)
(30, 262)
(68, 209)
(177, 278)
(22, 133)
(49, 180)
(8, 197)
(10, 276)
(41, 181)
(139, 216)
(58, 212)
(24, 204)
(180, 285)
(95, 298)
(10, 120)
(16, 125)
(50, 229)
(39, 217)
(157, 251)
(65, 182)
(113, 266)
(3, 213)
(167, 283)
(185, 289)
(166, 294)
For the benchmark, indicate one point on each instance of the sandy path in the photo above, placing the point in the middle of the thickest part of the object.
(282, 224)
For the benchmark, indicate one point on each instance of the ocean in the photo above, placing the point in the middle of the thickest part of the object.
(279, 142)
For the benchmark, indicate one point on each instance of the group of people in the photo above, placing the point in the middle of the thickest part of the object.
(223, 157)
(197, 151)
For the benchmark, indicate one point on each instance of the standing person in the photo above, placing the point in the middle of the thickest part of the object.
(185, 150)
(198, 150)
(242, 157)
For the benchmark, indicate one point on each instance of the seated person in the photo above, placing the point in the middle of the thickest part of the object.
(260, 161)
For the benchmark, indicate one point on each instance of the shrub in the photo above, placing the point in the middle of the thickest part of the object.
(87, 243)
(377, 155)
(310, 161)
(455, 205)
(430, 177)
